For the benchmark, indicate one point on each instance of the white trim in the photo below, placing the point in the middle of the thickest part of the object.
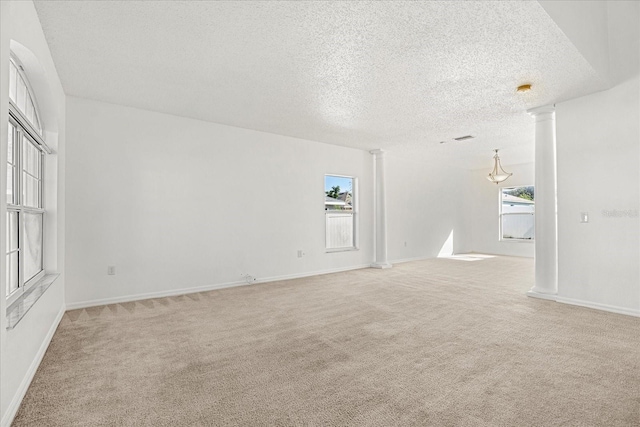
(598, 306)
(586, 304)
(420, 258)
(16, 114)
(541, 295)
(13, 407)
(381, 265)
(334, 250)
(185, 291)
(512, 240)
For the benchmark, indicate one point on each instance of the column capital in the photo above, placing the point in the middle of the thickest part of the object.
(542, 111)
(377, 152)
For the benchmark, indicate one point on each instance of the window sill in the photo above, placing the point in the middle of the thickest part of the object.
(330, 251)
(518, 240)
(20, 307)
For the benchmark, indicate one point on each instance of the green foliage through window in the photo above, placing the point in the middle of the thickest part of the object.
(526, 193)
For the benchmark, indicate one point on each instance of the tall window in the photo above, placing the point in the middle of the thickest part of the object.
(340, 212)
(25, 171)
(517, 211)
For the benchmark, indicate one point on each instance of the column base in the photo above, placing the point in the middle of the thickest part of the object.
(535, 294)
(381, 265)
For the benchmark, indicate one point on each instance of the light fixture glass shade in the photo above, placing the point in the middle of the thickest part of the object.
(498, 174)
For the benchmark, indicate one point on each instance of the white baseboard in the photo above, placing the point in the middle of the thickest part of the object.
(420, 258)
(586, 304)
(540, 295)
(12, 410)
(185, 291)
(160, 294)
(598, 306)
(381, 265)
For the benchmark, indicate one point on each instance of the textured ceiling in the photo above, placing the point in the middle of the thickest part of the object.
(401, 76)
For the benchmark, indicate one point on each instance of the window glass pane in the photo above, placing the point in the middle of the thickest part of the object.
(30, 191)
(30, 110)
(27, 161)
(31, 165)
(31, 158)
(13, 82)
(22, 95)
(12, 272)
(338, 192)
(339, 233)
(11, 143)
(11, 193)
(12, 231)
(10, 189)
(32, 250)
(36, 123)
(339, 207)
(518, 209)
(518, 200)
(518, 227)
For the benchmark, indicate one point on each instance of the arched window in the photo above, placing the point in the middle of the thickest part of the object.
(25, 173)
(21, 95)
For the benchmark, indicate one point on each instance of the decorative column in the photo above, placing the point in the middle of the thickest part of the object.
(546, 220)
(380, 211)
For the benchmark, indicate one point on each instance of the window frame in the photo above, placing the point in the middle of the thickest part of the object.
(354, 212)
(37, 127)
(501, 214)
(25, 133)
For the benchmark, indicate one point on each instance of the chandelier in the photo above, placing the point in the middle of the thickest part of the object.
(498, 174)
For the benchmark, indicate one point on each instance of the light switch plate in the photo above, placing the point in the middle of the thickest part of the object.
(584, 217)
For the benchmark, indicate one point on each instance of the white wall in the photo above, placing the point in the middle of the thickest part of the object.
(178, 204)
(598, 143)
(21, 348)
(425, 204)
(585, 23)
(598, 140)
(482, 215)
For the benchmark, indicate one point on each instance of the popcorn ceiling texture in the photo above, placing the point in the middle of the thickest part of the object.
(401, 76)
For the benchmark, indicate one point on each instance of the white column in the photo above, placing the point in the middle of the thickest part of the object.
(546, 234)
(380, 211)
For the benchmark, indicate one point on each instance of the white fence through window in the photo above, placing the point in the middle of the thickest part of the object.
(339, 230)
(517, 213)
(518, 226)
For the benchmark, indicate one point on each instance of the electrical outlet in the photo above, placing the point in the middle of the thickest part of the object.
(111, 270)
(300, 253)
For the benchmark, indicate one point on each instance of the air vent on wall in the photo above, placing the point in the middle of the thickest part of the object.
(464, 138)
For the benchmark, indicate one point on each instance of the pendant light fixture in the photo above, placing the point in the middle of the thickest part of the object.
(498, 174)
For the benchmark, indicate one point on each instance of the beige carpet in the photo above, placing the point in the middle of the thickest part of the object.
(429, 343)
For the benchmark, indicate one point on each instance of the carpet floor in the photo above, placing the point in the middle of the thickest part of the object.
(442, 342)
